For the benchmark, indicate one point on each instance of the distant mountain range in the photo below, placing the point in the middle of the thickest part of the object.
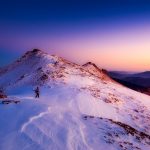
(136, 81)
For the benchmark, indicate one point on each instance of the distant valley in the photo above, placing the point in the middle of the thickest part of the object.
(136, 81)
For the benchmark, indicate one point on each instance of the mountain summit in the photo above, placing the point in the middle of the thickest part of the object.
(80, 107)
(95, 70)
(37, 68)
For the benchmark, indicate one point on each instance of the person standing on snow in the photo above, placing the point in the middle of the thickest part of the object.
(37, 92)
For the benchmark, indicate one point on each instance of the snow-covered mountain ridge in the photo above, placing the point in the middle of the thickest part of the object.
(37, 68)
(80, 107)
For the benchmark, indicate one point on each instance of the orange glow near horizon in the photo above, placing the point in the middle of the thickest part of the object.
(128, 51)
(126, 48)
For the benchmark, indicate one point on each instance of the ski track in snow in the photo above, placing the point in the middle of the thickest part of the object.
(70, 120)
(75, 134)
(81, 127)
(33, 118)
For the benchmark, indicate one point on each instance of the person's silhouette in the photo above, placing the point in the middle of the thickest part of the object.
(37, 92)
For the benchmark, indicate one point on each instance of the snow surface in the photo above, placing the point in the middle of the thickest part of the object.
(76, 109)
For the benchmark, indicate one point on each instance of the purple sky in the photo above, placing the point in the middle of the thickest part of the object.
(113, 35)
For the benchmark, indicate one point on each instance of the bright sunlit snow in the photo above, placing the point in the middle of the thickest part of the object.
(77, 110)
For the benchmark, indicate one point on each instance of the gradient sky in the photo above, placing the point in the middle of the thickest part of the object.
(115, 34)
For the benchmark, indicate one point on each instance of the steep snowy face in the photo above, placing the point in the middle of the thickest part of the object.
(32, 68)
(96, 71)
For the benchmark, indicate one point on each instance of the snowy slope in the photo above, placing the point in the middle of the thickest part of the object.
(96, 71)
(80, 108)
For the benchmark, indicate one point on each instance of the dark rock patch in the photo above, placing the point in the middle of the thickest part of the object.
(10, 101)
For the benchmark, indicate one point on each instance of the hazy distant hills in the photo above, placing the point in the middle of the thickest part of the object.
(145, 74)
(136, 81)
